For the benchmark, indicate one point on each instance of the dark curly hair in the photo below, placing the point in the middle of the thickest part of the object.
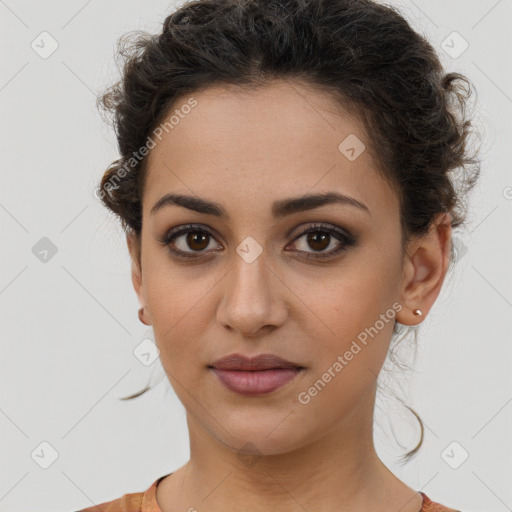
(362, 53)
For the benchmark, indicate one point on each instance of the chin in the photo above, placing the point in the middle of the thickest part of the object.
(273, 437)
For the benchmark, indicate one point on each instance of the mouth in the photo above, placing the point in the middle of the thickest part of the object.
(255, 376)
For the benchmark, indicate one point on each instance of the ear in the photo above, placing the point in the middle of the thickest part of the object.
(134, 247)
(426, 262)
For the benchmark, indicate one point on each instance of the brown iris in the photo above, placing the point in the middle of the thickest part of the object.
(197, 237)
(314, 239)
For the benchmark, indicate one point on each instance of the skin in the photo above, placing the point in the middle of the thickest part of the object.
(245, 150)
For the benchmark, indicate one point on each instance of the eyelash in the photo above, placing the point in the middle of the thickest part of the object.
(343, 236)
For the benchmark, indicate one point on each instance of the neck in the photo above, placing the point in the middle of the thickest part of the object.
(339, 470)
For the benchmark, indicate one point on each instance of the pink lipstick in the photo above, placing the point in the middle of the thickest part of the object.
(255, 376)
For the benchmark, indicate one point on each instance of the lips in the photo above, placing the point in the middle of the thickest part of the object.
(254, 376)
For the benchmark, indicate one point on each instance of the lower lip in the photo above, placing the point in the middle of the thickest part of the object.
(256, 382)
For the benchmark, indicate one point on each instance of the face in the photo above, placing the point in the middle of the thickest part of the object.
(307, 285)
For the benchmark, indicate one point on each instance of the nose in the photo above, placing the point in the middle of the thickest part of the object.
(254, 299)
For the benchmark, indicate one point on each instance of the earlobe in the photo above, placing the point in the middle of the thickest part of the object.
(141, 317)
(425, 269)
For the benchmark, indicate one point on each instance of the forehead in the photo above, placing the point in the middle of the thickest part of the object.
(276, 140)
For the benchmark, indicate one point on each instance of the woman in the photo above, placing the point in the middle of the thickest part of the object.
(287, 188)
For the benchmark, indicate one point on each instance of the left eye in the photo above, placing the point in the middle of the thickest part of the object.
(320, 237)
(318, 240)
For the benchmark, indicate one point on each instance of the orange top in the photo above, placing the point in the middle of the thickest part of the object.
(146, 502)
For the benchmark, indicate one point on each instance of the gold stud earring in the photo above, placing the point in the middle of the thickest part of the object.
(418, 312)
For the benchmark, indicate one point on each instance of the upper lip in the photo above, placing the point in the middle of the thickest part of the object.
(259, 362)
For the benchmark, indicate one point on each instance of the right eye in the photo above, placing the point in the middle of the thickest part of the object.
(197, 239)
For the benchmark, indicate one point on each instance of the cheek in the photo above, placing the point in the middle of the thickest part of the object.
(354, 320)
(344, 368)
(170, 291)
(349, 298)
(177, 300)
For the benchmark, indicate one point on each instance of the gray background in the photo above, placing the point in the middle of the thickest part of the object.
(70, 326)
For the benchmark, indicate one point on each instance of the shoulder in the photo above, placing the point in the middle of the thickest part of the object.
(432, 506)
(129, 502)
(133, 502)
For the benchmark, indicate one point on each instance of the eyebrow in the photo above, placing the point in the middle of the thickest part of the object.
(280, 208)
